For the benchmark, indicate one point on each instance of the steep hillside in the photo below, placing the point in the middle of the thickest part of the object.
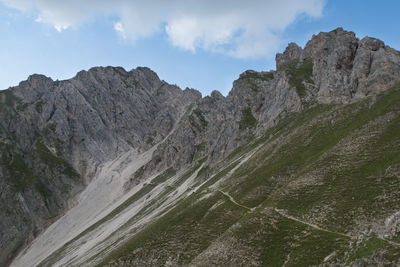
(56, 134)
(322, 187)
(301, 159)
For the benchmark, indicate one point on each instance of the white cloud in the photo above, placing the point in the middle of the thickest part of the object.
(239, 28)
(120, 29)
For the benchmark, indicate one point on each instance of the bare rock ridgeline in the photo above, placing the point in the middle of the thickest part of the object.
(345, 68)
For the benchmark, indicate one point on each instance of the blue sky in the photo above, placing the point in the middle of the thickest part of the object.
(188, 54)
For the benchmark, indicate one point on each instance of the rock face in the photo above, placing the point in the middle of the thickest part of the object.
(216, 125)
(292, 52)
(346, 68)
(54, 134)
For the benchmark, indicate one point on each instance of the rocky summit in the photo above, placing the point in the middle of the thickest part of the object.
(298, 166)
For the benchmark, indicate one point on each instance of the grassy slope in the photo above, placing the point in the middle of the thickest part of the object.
(334, 166)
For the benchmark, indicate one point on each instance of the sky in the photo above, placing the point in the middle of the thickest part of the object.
(201, 44)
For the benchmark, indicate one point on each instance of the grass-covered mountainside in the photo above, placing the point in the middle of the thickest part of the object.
(297, 166)
(320, 188)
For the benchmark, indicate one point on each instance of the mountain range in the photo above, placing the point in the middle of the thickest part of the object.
(296, 166)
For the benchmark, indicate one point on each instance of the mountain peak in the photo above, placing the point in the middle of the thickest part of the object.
(371, 43)
(344, 67)
(291, 53)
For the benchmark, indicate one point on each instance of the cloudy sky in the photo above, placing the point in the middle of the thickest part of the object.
(203, 44)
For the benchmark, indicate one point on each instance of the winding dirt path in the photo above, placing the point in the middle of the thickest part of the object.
(234, 201)
(283, 213)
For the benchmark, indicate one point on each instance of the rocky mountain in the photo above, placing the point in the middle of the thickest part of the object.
(54, 135)
(334, 67)
(119, 168)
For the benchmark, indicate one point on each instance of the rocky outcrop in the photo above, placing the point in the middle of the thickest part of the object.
(292, 52)
(345, 68)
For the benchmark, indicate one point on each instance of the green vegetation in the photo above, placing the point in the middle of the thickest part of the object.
(164, 176)
(157, 159)
(201, 117)
(41, 188)
(299, 73)
(264, 76)
(367, 248)
(20, 175)
(188, 219)
(8, 99)
(203, 171)
(199, 150)
(218, 176)
(149, 140)
(251, 77)
(49, 133)
(130, 143)
(55, 162)
(247, 120)
(49, 130)
(197, 120)
(189, 173)
(39, 106)
(275, 237)
(140, 172)
(328, 165)
(361, 178)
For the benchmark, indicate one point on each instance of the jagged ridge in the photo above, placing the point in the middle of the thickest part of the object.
(105, 112)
